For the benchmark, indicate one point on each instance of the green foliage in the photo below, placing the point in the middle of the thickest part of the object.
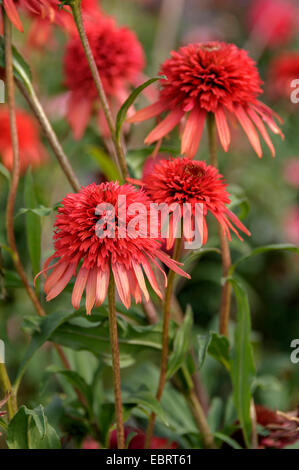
(30, 429)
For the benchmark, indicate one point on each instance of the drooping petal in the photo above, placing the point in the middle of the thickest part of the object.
(134, 287)
(222, 128)
(102, 284)
(165, 126)
(61, 283)
(267, 116)
(12, 14)
(193, 132)
(140, 278)
(55, 276)
(79, 287)
(91, 287)
(122, 283)
(149, 112)
(260, 125)
(151, 277)
(174, 265)
(249, 129)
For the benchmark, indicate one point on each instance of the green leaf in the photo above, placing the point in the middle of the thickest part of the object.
(93, 336)
(48, 325)
(203, 342)
(77, 381)
(122, 113)
(33, 224)
(4, 171)
(30, 429)
(106, 164)
(228, 440)
(265, 249)
(242, 364)
(41, 211)
(181, 344)
(145, 400)
(238, 200)
(20, 68)
(218, 348)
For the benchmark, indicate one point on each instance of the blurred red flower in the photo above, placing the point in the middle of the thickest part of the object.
(213, 78)
(282, 428)
(32, 152)
(120, 59)
(291, 172)
(138, 440)
(274, 22)
(282, 71)
(183, 181)
(129, 252)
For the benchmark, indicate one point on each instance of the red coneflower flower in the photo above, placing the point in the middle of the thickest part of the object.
(119, 58)
(182, 181)
(45, 8)
(128, 254)
(213, 78)
(282, 71)
(32, 152)
(273, 22)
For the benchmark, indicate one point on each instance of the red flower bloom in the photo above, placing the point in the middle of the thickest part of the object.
(41, 29)
(45, 8)
(78, 237)
(182, 181)
(138, 440)
(119, 58)
(282, 427)
(32, 152)
(282, 71)
(273, 22)
(210, 77)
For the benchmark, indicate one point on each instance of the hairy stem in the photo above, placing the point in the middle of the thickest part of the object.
(224, 246)
(39, 113)
(115, 364)
(76, 9)
(165, 338)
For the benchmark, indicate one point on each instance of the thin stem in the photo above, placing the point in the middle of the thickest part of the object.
(165, 338)
(224, 246)
(115, 364)
(76, 9)
(6, 389)
(201, 420)
(39, 113)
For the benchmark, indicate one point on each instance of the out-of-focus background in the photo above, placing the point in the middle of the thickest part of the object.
(265, 192)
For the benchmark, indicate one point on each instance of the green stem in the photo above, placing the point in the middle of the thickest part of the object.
(115, 364)
(44, 122)
(6, 389)
(76, 9)
(165, 338)
(224, 246)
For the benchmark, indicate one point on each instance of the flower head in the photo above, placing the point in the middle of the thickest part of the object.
(44, 8)
(216, 78)
(119, 58)
(105, 243)
(273, 22)
(291, 172)
(283, 70)
(183, 181)
(32, 152)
